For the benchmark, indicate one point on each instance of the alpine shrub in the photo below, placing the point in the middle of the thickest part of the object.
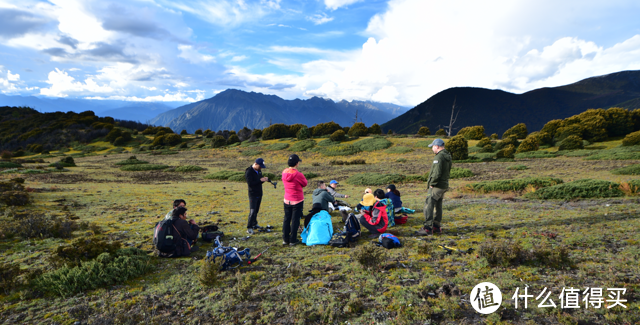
(8, 164)
(81, 250)
(338, 136)
(251, 153)
(536, 154)
(620, 122)
(628, 170)
(519, 130)
(358, 129)
(142, 167)
(218, 141)
(375, 179)
(233, 139)
(398, 149)
(529, 144)
(483, 142)
(571, 142)
(131, 161)
(223, 174)
(511, 140)
(506, 152)
(371, 144)
(65, 162)
(424, 131)
(189, 169)
(303, 133)
(326, 129)
(346, 162)
(302, 145)
(458, 147)
(210, 272)
(632, 139)
(375, 129)
(515, 185)
(584, 188)
(620, 153)
(517, 167)
(277, 146)
(172, 139)
(275, 131)
(460, 173)
(119, 141)
(441, 132)
(369, 255)
(9, 273)
(569, 130)
(472, 132)
(343, 149)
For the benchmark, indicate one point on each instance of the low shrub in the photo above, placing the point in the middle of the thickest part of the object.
(516, 185)
(424, 131)
(620, 153)
(251, 153)
(519, 130)
(14, 198)
(472, 132)
(369, 255)
(142, 167)
(460, 172)
(528, 144)
(8, 164)
(631, 139)
(237, 178)
(628, 170)
(310, 175)
(487, 148)
(584, 188)
(327, 142)
(131, 161)
(339, 136)
(441, 132)
(511, 140)
(218, 141)
(458, 148)
(303, 145)
(483, 142)
(398, 149)
(209, 273)
(509, 253)
(371, 144)
(189, 169)
(346, 162)
(375, 179)
(571, 142)
(9, 273)
(517, 167)
(474, 159)
(250, 143)
(506, 152)
(535, 154)
(32, 225)
(271, 176)
(223, 174)
(343, 149)
(64, 162)
(401, 160)
(277, 146)
(81, 250)
(107, 269)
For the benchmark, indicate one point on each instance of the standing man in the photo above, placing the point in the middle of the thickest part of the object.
(254, 178)
(438, 183)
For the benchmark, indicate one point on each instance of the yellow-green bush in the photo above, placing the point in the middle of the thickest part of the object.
(338, 136)
(528, 144)
(632, 139)
(374, 129)
(519, 130)
(441, 133)
(458, 148)
(472, 132)
(483, 142)
(571, 142)
(424, 131)
(506, 152)
(358, 129)
(584, 188)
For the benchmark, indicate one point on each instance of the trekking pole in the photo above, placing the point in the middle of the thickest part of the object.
(255, 258)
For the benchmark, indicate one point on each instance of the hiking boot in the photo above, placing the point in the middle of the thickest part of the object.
(293, 244)
(437, 230)
(426, 231)
(194, 249)
(250, 231)
(257, 227)
(284, 243)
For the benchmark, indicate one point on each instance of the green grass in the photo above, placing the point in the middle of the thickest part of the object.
(375, 179)
(398, 149)
(25, 171)
(535, 154)
(516, 185)
(189, 169)
(277, 146)
(223, 174)
(628, 170)
(460, 173)
(251, 153)
(584, 188)
(303, 145)
(620, 153)
(517, 167)
(372, 144)
(344, 149)
(144, 167)
(7, 164)
(247, 144)
(131, 162)
(327, 142)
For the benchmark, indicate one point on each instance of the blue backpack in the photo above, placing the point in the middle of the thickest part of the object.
(319, 230)
(388, 241)
(352, 228)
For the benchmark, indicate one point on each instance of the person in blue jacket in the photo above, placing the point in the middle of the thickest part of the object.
(394, 195)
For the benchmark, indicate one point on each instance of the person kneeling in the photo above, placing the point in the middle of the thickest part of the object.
(188, 231)
(373, 215)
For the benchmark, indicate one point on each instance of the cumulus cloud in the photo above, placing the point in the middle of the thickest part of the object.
(179, 96)
(62, 84)
(190, 54)
(319, 19)
(335, 4)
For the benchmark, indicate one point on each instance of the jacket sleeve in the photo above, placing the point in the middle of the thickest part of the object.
(252, 178)
(338, 195)
(329, 198)
(437, 171)
(302, 180)
(184, 228)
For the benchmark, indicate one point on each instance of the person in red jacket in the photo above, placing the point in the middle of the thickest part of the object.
(293, 181)
(373, 215)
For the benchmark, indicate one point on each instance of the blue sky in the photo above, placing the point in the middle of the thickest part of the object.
(399, 51)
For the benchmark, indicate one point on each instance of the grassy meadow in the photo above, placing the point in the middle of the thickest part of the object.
(518, 240)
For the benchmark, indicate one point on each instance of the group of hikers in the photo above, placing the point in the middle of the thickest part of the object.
(378, 210)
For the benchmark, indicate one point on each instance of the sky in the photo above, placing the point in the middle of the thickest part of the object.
(396, 51)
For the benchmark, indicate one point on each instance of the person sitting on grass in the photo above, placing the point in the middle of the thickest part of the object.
(177, 203)
(321, 201)
(188, 232)
(394, 195)
(373, 215)
(380, 197)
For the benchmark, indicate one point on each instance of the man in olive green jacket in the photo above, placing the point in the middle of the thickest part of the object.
(438, 183)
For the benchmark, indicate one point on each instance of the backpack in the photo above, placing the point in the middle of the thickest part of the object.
(340, 240)
(352, 227)
(319, 230)
(209, 233)
(401, 220)
(163, 236)
(388, 241)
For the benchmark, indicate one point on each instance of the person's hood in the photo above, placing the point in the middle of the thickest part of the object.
(318, 191)
(289, 174)
(445, 155)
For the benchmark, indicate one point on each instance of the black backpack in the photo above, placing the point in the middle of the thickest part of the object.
(352, 227)
(340, 240)
(163, 236)
(210, 232)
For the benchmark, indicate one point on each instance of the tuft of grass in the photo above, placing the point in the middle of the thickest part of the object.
(8, 164)
(506, 252)
(369, 256)
(303, 145)
(209, 274)
(251, 153)
(131, 161)
(375, 179)
(584, 188)
(347, 162)
(143, 167)
(398, 149)
(516, 185)
(25, 171)
(189, 168)
(460, 173)
(517, 167)
(327, 142)
(535, 154)
(223, 174)
(277, 146)
(628, 170)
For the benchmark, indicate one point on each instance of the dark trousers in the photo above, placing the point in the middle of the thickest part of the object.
(434, 200)
(254, 207)
(292, 215)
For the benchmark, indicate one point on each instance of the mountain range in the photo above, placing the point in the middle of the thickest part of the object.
(499, 110)
(234, 109)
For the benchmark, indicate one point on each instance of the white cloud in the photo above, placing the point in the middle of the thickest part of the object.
(319, 19)
(167, 97)
(12, 77)
(63, 84)
(225, 12)
(239, 58)
(190, 54)
(335, 4)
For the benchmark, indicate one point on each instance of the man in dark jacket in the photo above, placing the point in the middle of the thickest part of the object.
(188, 233)
(254, 178)
(438, 184)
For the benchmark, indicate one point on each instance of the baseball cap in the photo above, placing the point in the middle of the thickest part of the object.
(437, 142)
(260, 163)
(391, 187)
(333, 181)
(293, 160)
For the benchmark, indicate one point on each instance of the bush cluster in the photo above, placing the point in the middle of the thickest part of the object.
(8, 164)
(516, 185)
(584, 188)
(346, 162)
(460, 173)
(628, 170)
(632, 139)
(64, 162)
(189, 169)
(32, 225)
(369, 256)
(506, 152)
(458, 147)
(483, 142)
(12, 192)
(571, 142)
(81, 250)
(338, 136)
(303, 145)
(472, 132)
(441, 133)
(375, 129)
(142, 167)
(223, 174)
(277, 146)
(518, 130)
(358, 129)
(424, 131)
(133, 160)
(517, 167)
(375, 179)
(529, 144)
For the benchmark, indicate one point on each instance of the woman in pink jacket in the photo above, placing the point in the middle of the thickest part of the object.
(293, 181)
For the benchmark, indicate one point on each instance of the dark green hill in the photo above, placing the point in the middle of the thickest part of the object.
(499, 110)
